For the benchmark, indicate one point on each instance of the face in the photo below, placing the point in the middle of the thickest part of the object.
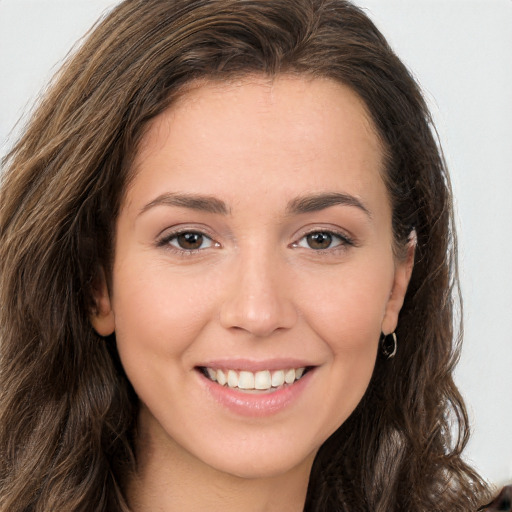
(253, 272)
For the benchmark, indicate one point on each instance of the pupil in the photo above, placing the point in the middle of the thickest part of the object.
(190, 240)
(319, 240)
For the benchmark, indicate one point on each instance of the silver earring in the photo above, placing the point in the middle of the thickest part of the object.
(388, 345)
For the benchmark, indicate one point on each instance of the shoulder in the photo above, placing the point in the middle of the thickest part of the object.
(503, 502)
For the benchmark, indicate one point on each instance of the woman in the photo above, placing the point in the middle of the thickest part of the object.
(227, 271)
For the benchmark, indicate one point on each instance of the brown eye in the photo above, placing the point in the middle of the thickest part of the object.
(319, 240)
(323, 240)
(190, 241)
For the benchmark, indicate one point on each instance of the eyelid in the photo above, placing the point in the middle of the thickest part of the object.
(343, 236)
(168, 234)
(185, 227)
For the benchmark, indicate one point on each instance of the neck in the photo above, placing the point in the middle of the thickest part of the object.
(169, 479)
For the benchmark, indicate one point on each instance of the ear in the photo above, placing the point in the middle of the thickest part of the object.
(403, 272)
(102, 317)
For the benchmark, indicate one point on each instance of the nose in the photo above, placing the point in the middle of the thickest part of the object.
(259, 300)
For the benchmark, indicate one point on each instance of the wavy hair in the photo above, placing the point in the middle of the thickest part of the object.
(67, 410)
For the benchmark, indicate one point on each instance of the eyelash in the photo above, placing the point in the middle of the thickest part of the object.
(166, 240)
(343, 241)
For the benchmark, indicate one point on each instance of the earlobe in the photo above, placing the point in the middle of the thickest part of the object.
(403, 272)
(102, 317)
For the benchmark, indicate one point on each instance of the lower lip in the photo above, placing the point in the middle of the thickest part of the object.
(258, 404)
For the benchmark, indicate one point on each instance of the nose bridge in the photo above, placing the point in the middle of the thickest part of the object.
(258, 300)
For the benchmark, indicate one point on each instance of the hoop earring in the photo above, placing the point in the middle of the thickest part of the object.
(388, 345)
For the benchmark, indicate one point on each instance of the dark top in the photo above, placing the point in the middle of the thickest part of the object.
(502, 503)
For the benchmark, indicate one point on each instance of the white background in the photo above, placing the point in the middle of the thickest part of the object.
(461, 53)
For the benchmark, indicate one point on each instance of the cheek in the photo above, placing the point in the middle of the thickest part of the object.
(346, 312)
(157, 314)
(349, 311)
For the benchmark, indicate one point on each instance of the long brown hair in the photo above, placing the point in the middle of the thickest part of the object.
(67, 410)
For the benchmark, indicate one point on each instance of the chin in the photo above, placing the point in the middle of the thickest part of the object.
(262, 467)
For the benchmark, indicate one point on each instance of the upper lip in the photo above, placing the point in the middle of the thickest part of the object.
(255, 366)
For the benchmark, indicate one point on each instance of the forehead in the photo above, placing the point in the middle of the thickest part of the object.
(286, 132)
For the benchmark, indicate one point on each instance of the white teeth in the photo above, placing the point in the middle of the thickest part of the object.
(262, 380)
(232, 379)
(221, 377)
(246, 380)
(277, 378)
(289, 376)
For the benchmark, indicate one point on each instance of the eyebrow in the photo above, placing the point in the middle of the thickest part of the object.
(317, 202)
(210, 204)
(191, 201)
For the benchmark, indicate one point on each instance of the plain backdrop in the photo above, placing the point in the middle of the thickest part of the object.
(461, 53)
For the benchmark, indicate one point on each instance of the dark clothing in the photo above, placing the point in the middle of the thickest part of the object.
(503, 503)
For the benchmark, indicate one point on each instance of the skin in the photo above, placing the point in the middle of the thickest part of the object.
(256, 290)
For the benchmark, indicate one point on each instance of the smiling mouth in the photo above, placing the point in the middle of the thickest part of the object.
(254, 381)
